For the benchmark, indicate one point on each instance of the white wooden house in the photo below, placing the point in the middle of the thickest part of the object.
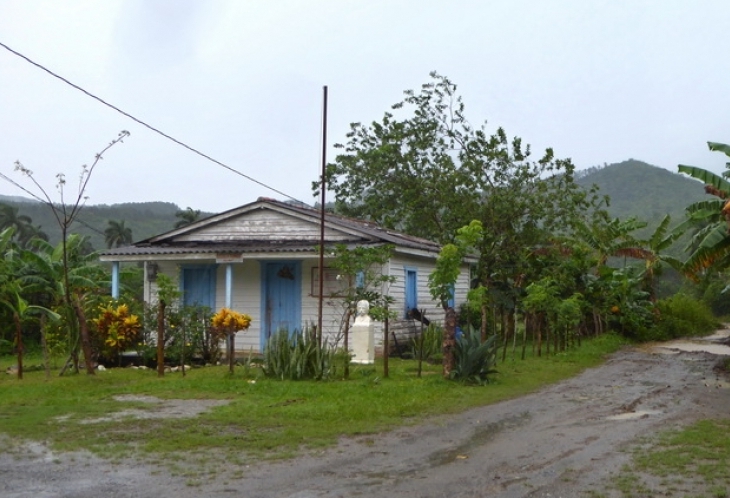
(263, 259)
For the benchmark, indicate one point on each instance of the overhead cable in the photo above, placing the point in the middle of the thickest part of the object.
(139, 121)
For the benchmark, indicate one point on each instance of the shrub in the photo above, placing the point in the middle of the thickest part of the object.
(474, 359)
(716, 299)
(681, 316)
(298, 356)
(431, 347)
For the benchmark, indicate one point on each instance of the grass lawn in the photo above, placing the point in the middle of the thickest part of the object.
(263, 418)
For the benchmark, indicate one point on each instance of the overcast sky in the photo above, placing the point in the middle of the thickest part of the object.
(241, 81)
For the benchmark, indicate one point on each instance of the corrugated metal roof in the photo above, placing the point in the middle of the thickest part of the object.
(165, 244)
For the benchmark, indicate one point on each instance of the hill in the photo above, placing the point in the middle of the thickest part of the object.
(645, 191)
(144, 218)
(634, 187)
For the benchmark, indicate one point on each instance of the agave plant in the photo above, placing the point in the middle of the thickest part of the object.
(474, 359)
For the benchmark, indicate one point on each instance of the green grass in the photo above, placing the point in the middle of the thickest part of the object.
(264, 418)
(693, 462)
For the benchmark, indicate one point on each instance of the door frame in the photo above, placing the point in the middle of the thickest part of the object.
(297, 296)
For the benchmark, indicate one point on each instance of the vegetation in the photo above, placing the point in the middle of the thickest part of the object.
(269, 418)
(694, 461)
(145, 219)
(299, 355)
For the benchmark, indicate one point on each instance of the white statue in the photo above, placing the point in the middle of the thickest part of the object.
(363, 308)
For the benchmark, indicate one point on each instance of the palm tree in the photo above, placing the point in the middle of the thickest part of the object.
(117, 234)
(188, 216)
(21, 223)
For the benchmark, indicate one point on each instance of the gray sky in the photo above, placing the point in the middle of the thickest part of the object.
(599, 81)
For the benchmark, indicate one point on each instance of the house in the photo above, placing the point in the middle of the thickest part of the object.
(263, 259)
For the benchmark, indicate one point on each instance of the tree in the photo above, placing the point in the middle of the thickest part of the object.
(117, 234)
(431, 172)
(67, 279)
(188, 216)
(22, 224)
(65, 215)
(22, 311)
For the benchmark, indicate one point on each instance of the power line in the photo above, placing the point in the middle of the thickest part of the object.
(139, 121)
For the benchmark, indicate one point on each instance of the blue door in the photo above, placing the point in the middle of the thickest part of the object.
(198, 286)
(282, 291)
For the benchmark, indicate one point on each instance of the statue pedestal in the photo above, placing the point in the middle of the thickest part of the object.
(362, 340)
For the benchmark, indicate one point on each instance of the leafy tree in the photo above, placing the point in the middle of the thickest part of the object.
(431, 172)
(188, 216)
(117, 234)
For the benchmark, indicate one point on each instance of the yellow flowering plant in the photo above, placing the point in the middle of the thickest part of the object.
(117, 327)
(226, 321)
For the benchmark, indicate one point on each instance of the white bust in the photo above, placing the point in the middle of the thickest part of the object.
(363, 308)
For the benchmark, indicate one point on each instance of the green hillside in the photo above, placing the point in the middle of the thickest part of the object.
(645, 191)
(144, 218)
(635, 188)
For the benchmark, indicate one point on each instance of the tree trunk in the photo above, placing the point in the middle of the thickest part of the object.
(483, 329)
(44, 345)
(449, 341)
(85, 339)
(161, 338)
(19, 344)
(347, 343)
(386, 344)
(231, 343)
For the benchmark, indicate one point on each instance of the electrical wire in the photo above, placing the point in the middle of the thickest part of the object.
(152, 128)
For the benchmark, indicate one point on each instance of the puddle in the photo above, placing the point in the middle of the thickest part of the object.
(633, 415)
(710, 344)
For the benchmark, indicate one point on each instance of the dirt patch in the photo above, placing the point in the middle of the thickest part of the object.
(564, 441)
(159, 408)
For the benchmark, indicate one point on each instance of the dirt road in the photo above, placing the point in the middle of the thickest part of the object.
(563, 441)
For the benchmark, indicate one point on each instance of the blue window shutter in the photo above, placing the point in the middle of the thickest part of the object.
(360, 280)
(411, 290)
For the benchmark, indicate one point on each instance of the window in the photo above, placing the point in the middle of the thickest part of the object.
(334, 284)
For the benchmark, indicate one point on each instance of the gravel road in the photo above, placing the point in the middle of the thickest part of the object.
(563, 441)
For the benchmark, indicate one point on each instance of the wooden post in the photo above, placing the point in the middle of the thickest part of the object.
(161, 338)
(449, 341)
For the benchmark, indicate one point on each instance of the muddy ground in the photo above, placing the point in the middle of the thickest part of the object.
(564, 441)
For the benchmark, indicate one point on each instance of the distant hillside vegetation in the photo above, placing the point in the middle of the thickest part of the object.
(645, 191)
(144, 218)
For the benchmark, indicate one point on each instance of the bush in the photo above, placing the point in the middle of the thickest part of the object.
(681, 316)
(474, 360)
(298, 356)
(433, 338)
(716, 299)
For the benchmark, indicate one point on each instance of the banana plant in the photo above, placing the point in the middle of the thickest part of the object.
(22, 311)
(710, 244)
